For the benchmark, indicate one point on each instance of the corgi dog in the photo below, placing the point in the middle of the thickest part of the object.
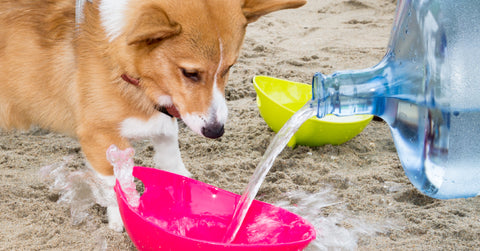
(110, 71)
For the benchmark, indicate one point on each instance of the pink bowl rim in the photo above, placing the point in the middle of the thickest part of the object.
(307, 240)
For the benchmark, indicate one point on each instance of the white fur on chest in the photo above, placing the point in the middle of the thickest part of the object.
(157, 125)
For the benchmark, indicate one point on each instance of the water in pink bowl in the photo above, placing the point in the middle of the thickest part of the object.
(179, 213)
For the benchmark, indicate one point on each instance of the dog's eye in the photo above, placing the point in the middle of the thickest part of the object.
(191, 74)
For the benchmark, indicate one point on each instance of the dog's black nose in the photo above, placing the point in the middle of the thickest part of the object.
(213, 131)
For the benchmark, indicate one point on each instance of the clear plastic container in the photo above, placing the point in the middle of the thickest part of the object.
(427, 88)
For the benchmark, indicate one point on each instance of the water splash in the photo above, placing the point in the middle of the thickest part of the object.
(80, 189)
(338, 231)
(122, 162)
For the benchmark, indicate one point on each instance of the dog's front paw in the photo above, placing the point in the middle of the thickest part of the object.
(114, 219)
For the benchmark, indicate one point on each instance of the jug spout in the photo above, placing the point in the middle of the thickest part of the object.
(350, 92)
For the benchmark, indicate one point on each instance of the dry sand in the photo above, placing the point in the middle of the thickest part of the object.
(374, 205)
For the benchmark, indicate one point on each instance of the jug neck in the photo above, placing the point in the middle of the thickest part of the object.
(352, 92)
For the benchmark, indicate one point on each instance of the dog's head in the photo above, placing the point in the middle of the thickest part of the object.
(181, 51)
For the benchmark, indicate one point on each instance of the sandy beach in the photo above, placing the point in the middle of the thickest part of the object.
(356, 194)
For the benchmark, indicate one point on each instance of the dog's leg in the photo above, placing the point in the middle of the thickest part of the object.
(113, 212)
(167, 155)
(94, 146)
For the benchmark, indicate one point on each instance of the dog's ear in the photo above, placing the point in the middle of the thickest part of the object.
(253, 9)
(151, 26)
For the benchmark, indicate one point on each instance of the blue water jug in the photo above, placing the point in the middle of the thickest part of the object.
(427, 88)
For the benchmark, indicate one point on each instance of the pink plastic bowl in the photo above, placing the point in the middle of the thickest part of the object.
(179, 213)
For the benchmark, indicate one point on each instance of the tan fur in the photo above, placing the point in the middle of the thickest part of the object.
(69, 81)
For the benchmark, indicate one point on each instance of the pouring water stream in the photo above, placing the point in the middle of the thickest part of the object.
(274, 149)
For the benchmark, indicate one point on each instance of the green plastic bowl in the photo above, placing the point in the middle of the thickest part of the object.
(279, 99)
